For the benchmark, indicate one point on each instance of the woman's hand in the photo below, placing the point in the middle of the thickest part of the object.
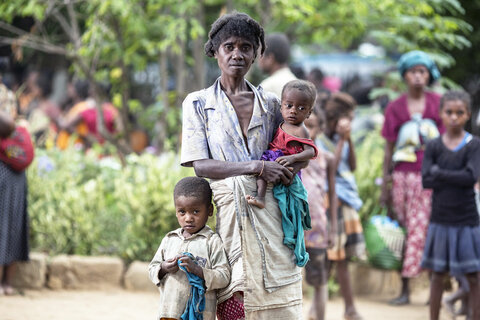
(386, 194)
(274, 172)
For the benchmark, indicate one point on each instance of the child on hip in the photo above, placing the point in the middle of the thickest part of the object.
(291, 142)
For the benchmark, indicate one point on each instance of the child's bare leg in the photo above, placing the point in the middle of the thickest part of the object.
(346, 290)
(474, 282)
(436, 291)
(319, 303)
(259, 200)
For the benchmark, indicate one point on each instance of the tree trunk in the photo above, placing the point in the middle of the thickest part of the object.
(198, 54)
(161, 123)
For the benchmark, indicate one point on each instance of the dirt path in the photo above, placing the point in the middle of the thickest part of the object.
(120, 305)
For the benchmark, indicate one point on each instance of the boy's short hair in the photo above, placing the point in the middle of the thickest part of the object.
(338, 104)
(194, 187)
(305, 86)
(278, 45)
(453, 95)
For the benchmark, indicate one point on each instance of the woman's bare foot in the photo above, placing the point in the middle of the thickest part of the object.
(256, 201)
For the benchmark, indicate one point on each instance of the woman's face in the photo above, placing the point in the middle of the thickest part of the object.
(235, 56)
(417, 77)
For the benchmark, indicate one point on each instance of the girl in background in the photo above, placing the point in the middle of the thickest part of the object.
(451, 167)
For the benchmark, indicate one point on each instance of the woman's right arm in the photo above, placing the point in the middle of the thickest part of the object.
(270, 171)
(387, 175)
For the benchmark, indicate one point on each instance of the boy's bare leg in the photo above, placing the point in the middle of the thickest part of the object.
(351, 312)
(319, 303)
(474, 282)
(259, 200)
(436, 291)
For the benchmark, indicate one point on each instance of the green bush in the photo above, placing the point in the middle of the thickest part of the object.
(369, 172)
(81, 204)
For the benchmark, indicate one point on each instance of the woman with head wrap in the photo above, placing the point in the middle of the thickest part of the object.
(410, 121)
(226, 129)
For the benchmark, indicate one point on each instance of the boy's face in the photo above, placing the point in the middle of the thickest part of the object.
(192, 214)
(296, 107)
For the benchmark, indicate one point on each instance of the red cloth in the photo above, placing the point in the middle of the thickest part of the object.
(232, 309)
(396, 114)
(89, 117)
(17, 150)
(285, 142)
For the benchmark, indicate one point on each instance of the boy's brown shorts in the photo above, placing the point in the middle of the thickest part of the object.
(316, 269)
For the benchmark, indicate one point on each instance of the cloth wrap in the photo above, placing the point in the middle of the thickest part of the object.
(293, 203)
(196, 301)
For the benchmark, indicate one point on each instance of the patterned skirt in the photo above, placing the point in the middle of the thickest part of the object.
(412, 205)
(13, 216)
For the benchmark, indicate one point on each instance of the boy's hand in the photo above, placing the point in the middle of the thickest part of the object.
(170, 265)
(286, 160)
(344, 128)
(190, 265)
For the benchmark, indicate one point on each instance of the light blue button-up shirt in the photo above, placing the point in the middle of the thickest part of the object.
(211, 129)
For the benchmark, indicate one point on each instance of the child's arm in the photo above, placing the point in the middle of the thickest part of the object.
(465, 177)
(429, 181)
(307, 154)
(218, 276)
(332, 198)
(343, 129)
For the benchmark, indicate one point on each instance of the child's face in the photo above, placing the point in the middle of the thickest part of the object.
(454, 114)
(192, 214)
(296, 107)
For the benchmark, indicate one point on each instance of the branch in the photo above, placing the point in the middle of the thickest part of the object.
(74, 21)
(31, 43)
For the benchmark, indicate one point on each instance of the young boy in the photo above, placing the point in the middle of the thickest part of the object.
(193, 206)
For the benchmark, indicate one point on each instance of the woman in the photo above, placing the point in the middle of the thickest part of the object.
(13, 206)
(226, 128)
(410, 121)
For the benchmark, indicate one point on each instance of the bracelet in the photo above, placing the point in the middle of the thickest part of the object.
(263, 167)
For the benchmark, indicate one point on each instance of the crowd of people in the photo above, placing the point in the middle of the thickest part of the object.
(280, 160)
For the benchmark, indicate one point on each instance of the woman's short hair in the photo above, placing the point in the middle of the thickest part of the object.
(455, 95)
(193, 187)
(338, 104)
(235, 24)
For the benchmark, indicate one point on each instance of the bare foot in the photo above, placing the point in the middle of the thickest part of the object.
(449, 308)
(9, 290)
(257, 202)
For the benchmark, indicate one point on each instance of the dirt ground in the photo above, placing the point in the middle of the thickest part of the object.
(121, 304)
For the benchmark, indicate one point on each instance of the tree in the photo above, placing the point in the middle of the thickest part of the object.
(108, 40)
